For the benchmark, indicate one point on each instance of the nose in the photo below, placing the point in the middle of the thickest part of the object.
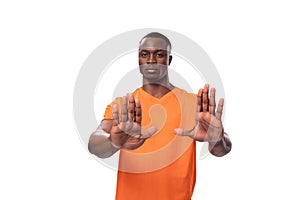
(151, 59)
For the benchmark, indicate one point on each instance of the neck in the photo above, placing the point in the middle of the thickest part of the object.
(157, 90)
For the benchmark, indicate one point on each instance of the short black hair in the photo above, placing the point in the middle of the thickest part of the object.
(158, 35)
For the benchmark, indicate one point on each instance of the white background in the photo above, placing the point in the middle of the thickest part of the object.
(254, 44)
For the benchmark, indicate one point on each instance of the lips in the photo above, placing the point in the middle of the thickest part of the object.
(151, 70)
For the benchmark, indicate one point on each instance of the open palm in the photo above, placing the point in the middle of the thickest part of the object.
(208, 125)
(126, 129)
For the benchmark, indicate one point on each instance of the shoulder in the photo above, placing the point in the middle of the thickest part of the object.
(135, 93)
(183, 93)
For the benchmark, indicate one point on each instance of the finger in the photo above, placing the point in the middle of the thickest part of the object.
(138, 112)
(220, 109)
(131, 107)
(205, 98)
(199, 100)
(149, 132)
(115, 115)
(124, 112)
(183, 132)
(212, 102)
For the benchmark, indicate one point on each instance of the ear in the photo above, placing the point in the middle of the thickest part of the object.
(170, 59)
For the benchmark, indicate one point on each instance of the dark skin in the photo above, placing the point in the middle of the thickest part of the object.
(125, 130)
(209, 127)
(155, 82)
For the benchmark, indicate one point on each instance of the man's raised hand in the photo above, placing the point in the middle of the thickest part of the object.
(126, 130)
(208, 126)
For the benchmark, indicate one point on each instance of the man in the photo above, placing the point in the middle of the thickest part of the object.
(156, 127)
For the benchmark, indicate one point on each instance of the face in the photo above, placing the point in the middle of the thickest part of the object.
(154, 58)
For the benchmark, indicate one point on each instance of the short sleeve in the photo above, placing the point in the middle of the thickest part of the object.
(108, 114)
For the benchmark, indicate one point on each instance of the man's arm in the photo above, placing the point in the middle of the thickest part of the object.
(99, 143)
(220, 148)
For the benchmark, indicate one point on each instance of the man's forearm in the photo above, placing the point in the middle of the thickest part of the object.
(100, 145)
(220, 148)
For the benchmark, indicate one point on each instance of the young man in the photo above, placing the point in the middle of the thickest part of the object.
(156, 127)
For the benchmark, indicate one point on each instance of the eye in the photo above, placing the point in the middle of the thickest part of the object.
(144, 54)
(160, 55)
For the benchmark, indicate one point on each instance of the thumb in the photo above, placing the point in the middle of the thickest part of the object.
(183, 132)
(149, 132)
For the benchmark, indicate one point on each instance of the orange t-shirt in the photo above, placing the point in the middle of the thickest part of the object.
(164, 167)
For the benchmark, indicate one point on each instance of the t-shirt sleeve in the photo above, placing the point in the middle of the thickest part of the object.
(108, 114)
